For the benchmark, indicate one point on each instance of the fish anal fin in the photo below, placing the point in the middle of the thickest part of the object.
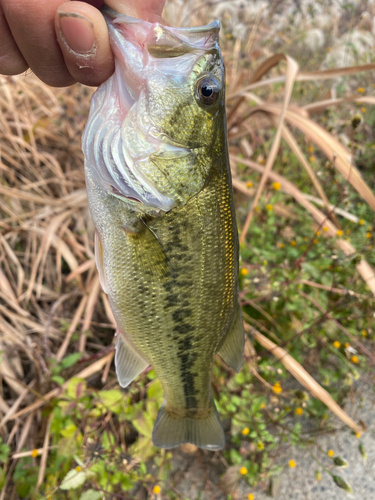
(129, 364)
(171, 430)
(99, 259)
(232, 349)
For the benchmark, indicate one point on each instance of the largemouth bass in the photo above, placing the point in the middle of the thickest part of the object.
(160, 194)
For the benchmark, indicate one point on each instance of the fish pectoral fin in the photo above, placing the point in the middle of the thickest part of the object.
(233, 347)
(129, 364)
(99, 259)
(171, 430)
(151, 253)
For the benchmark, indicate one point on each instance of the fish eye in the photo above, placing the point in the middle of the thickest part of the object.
(208, 90)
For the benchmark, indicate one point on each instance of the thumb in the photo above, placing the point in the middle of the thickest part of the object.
(82, 34)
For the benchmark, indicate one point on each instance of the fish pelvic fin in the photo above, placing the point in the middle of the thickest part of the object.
(129, 364)
(232, 348)
(205, 431)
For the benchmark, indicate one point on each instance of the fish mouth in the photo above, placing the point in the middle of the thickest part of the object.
(133, 41)
(155, 36)
(119, 106)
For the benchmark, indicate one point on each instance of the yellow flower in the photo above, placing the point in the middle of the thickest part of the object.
(361, 90)
(298, 411)
(243, 471)
(292, 464)
(316, 241)
(244, 271)
(318, 233)
(156, 489)
(78, 468)
(330, 453)
(339, 232)
(337, 344)
(277, 389)
(354, 359)
(280, 244)
(249, 184)
(250, 496)
(325, 228)
(311, 149)
(363, 109)
(276, 186)
(262, 161)
(364, 333)
(262, 406)
(312, 158)
(34, 453)
(318, 475)
(346, 345)
(358, 435)
(368, 235)
(269, 207)
(361, 222)
(260, 446)
(293, 243)
(245, 431)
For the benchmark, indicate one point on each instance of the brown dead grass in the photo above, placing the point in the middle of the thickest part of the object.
(47, 275)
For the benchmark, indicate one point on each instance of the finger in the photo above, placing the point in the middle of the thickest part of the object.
(83, 38)
(149, 10)
(32, 25)
(12, 61)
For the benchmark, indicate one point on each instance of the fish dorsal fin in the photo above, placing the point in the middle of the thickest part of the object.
(129, 364)
(233, 347)
(99, 259)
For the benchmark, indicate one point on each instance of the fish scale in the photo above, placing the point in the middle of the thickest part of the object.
(171, 275)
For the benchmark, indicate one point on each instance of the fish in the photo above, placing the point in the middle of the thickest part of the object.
(166, 241)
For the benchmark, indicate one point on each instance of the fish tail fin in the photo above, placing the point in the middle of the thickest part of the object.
(171, 430)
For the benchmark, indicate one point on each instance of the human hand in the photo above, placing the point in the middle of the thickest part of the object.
(63, 41)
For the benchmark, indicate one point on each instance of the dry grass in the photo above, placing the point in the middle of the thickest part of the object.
(48, 275)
